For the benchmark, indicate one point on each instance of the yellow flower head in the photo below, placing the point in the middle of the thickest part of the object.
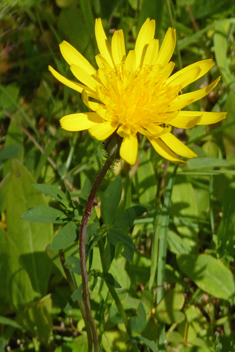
(135, 92)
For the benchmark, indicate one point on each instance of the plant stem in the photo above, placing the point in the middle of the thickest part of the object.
(114, 294)
(73, 287)
(161, 268)
(82, 250)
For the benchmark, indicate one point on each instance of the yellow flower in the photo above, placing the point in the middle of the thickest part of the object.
(135, 92)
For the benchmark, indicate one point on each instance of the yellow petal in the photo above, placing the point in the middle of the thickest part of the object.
(103, 130)
(186, 119)
(185, 99)
(162, 149)
(208, 118)
(102, 42)
(177, 146)
(190, 73)
(83, 77)
(145, 36)
(91, 104)
(118, 47)
(167, 47)
(102, 63)
(72, 56)
(80, 122)
(151, 55)
(71, 84)
(129, 149)
(130, 62)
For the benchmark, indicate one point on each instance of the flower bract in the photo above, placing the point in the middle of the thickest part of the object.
(136, 93)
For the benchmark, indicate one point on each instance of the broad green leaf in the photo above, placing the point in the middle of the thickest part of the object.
(210, 274)
(128, 216)
(145, 180)
(26, 240)
(110, 200)
(66, 236)
(115, 236)
(44, 214)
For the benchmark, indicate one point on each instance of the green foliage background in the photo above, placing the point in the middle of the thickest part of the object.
(46, 174)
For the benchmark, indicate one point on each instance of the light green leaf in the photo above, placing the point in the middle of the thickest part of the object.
(66, 236)
(145, 180)
(25, 256)
(44, 214)
(210, 274)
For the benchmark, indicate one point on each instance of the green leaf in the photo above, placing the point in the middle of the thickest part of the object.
(138, 323)
(52, 191)
(184, 211)
(25, 258)
(128, 216)
(145, 180)
(209, 274)
(66, 236)
(73, 264)
(221, 51)
(13, 323)
(10, 151)
(110, 200)
(207, 162)
(44, 214)
(151, 344)
(115, 236)
(168, 310)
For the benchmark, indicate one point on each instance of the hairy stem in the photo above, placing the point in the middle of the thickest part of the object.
(73, 287)
(82, 249)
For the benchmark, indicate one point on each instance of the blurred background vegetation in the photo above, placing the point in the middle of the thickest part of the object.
(37, 311)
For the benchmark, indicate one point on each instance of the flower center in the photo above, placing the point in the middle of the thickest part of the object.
(137, 99)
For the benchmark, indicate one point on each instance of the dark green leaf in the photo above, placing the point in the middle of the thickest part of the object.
(10, 151)
(127, 217)
(73, 264)
(110, 200)
(44, 214)
(138, 323)
(115, 236)
(66, 236)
